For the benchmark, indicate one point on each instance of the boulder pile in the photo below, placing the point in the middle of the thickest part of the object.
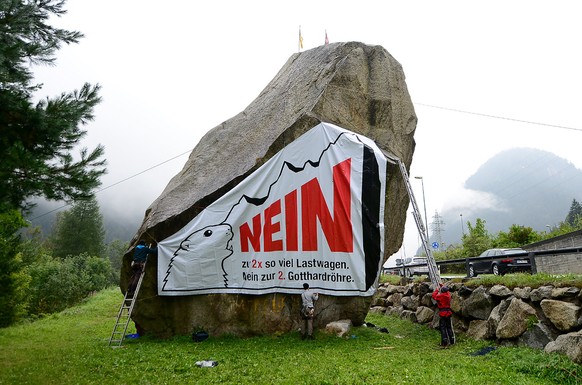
(548, 318)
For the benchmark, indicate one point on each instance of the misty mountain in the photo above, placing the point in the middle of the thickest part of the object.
(522, 186)
(118, 224)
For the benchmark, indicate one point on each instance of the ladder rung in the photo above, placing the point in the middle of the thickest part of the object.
(124, 314)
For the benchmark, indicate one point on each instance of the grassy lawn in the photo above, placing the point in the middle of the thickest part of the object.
(71, 348)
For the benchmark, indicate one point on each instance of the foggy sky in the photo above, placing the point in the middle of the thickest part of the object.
(170, 73)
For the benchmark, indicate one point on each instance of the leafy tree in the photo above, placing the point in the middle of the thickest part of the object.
(79, 230)
(477, 239)
(37, 139)
(574, 214)
(517, 236)
(12, 280)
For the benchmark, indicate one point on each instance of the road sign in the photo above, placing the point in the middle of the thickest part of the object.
(435, 245)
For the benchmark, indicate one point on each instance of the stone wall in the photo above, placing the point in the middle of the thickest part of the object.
(559, 263)
(548, 317)
(573, 239)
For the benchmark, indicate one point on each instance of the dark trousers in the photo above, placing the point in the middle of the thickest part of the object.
(137, 268)
(447, 333)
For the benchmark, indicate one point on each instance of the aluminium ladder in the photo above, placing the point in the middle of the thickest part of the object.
(433, 271)
(124, 315)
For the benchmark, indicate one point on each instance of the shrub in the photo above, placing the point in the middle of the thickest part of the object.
(59, 283)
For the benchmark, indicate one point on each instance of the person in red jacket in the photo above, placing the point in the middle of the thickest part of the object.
(443, 300)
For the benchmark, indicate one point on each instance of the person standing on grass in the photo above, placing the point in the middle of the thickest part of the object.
(443, 300)
(308, 299)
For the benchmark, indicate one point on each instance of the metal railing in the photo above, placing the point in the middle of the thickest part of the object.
(527, 254)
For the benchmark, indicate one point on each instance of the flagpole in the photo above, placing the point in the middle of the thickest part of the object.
(299, 42)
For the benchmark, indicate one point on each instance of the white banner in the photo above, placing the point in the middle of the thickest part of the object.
(313, 213)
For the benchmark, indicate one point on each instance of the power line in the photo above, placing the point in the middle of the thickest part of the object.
(467, 112)
(144, 171)
(116, 183)
(500, 117)
(420, 104)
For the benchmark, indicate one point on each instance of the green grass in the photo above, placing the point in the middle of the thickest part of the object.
(531, 280)
(71, 348)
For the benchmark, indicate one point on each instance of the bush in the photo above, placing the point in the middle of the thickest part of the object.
(59, 283)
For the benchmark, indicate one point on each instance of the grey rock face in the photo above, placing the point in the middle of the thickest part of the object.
(339, 328)
(522, 292)
(497, 313)
(480, 330)
(515, 320)
(537, 337)
(565, 292)
(478, 305)
(355, 86)
(563, 315)
(569, 344)
(500, 291)
(424, 314)
(541, 293)
(408, 315)
(395, 299)
(411, 303)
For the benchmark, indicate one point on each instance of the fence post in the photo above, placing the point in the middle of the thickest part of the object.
(532, 261)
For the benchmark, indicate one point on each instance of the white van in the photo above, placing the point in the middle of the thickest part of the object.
(419, 266)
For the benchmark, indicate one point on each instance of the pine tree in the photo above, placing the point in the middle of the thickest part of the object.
(574, 213)
(11, 278)
(37, 138)
(79, 230)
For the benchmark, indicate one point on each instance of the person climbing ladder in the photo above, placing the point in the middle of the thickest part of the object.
(140, 255)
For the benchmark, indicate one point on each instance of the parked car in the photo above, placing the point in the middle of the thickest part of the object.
(406, 271)
(508, 263)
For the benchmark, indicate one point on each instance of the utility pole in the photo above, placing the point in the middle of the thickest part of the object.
(437, 227)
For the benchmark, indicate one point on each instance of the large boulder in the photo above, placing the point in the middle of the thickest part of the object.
(500, 291)
(478, 305)
(339, 328)
(424, 314)
(515, 320)
(497, 313)
(411, 303)
(563, 315)
(355, 86)
(569, 344)
(480, 330)
(395, 299)
(537, 336)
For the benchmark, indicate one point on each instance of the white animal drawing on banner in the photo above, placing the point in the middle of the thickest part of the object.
(305, 219)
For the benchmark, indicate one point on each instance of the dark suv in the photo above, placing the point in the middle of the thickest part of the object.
(506, 263)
